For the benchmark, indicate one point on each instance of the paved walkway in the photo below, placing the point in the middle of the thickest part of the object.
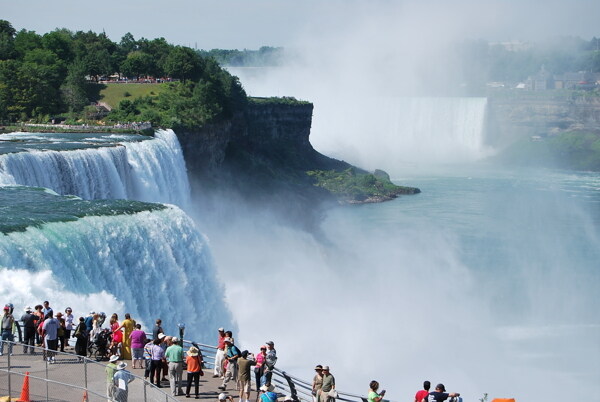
(69, 376)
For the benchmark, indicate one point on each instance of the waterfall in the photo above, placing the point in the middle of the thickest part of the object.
(396, 131)
(154, 263)
(151, 170)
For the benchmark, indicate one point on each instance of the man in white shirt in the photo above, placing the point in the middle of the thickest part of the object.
(50, 332)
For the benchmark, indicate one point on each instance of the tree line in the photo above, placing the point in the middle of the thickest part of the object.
(54, 73)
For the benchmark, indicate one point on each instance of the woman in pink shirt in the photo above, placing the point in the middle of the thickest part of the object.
(138, 341)
(260, 361)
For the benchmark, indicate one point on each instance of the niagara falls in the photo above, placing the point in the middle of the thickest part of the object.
(401, 191)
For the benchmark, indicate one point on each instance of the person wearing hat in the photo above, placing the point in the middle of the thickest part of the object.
(328, 385)
(245, 363)
(270, 360)
(30, 321)
(157, 356)
(220, 355)
(174, 356)
(232, 356)
(6, 326)
(267, 394)
(121, 381)
(317, 383)
(224, 397)
(110, 369)
(440, 394)
(194, 370)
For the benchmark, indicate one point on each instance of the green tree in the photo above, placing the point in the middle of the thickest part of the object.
(26, 41)
(137, 63)
(72, 90)
(7, 40)
(183, 63)
(60, 42)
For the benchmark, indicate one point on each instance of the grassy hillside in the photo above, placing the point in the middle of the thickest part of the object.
(115, 93)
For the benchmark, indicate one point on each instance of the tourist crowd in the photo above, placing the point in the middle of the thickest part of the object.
(161, 354)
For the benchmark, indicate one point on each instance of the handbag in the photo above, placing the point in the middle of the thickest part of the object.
(332, 393)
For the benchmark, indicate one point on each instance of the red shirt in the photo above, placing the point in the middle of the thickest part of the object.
(422, 394)
(221, 342)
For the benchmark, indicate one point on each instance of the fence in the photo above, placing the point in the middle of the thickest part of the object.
(69, 378)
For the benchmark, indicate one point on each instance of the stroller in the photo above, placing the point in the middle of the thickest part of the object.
(98, 348)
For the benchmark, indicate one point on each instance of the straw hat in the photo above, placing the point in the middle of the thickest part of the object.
(193, 351)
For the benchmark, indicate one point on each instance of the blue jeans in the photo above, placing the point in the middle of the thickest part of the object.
(7, 335)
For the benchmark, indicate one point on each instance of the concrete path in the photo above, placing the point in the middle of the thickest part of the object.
(69, 376)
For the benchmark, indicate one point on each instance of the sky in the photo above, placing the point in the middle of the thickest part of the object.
(250, 24)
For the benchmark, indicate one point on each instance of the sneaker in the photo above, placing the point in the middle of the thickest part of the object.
(221, 387)
(215, 376)
(1, 353)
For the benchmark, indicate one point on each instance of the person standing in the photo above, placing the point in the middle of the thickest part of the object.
(328, 385)
(245, 363)
(46, 309)
(422, 394)
(6, 327)
(260, 365)
(128, 325)
(138, 340)
(62, 330)
(233, 354)
(270, 360)
(220, 355)
(156, 362)
(121, 381)
(38, 329)
(317, 383)
(29, 324)
(110, 369)
(157, 329)
(174, 355)
(194, 370)
(50, 332)
(440, 394)
(373, 395)
(69, 323)
(81, 337)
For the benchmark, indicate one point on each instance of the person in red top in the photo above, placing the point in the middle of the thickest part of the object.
(422, 394)
(220, 356)
(117, 341)
(194, 370)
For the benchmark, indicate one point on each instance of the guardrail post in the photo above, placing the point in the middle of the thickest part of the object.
(46, 365)
(85, 372)
(9, 352)
(145, 396)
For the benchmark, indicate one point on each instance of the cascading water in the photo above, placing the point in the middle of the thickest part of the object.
(104, 252)
(142, 169)
(149, 258)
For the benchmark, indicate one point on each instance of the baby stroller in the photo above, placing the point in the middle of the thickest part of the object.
(98, 348)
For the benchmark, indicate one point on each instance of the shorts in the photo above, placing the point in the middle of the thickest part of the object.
(138, 353)
(244, 386)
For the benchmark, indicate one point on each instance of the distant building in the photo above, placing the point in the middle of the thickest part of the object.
(578, 80)
(542, 81)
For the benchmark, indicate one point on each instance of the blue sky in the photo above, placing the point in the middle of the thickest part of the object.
(254, 23)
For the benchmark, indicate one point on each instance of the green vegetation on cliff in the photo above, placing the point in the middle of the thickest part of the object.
(353, 186)
(61, 72)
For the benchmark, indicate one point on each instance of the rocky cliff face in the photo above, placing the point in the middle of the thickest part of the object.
(511, 118)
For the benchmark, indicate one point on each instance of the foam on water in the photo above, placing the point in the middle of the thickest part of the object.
(152, 263)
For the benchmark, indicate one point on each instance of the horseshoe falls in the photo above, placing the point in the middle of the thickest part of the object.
(99, 166)
(97, 248)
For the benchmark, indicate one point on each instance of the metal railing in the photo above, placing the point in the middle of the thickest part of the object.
(68, 378)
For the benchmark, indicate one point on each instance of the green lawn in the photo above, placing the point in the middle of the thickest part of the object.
(115, 93)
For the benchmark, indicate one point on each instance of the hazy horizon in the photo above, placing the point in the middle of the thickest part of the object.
(238, 24)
